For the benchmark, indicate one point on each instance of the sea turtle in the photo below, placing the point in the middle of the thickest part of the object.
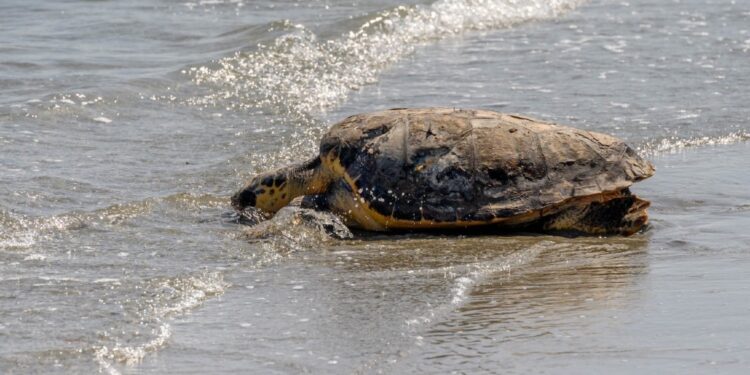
(441, 168)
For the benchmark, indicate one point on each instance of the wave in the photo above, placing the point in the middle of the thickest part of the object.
(162, 298)
(18, 232)
(23, 232)
(298, 74)
(671, 145)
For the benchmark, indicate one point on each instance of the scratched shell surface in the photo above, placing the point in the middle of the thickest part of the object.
(447, 164)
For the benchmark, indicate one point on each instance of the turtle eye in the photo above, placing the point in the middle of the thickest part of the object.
(243, 199)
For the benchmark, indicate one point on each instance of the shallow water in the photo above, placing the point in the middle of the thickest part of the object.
(124, 126)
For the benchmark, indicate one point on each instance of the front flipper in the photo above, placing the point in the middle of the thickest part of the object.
(298, 222)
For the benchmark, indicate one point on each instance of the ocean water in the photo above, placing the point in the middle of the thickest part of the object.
(126, 125)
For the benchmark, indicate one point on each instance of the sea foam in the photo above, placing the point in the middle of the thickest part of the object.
(299, 74)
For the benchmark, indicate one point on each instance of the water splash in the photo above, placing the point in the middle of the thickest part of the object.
(23, 232)
(300, 75)
(130, 355)
(675, 144)
(19, 232)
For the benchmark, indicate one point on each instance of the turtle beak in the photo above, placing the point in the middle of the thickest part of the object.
(244, 203)
(243, 198)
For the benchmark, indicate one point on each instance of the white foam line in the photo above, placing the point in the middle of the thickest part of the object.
(300, 74)
(192, 291)
(674, 145)
(21, 232)
(18, 231)
(131, 355)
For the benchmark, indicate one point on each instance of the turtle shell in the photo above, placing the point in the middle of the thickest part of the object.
(447, 165)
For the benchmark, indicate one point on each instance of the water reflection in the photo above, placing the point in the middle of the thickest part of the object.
(450, 298)
(572, 287)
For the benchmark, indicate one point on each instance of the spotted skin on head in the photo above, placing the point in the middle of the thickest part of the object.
(270, 192)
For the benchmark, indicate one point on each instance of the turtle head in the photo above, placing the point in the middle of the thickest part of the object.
(269, 192)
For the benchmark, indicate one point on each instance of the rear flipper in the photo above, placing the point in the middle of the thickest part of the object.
(623, 215)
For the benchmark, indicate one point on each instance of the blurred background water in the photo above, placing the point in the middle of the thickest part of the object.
(125, 125)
